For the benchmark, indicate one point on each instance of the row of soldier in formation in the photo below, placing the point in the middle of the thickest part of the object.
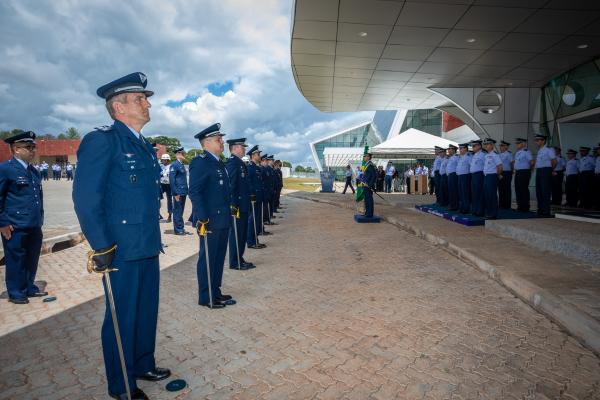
(479, 181)
(56, 169)
(115, 196)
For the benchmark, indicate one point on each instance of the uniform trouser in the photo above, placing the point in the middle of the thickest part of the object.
(543, 189)
(278, 199)
(135, 290)
(453, 190)
(265, 207)
(408, 178)
(490, 193)
(166, 188)
(272, 205)
(242, 230)
(443, 190)
(597, 191)
(557, 188)
(571, 189)
(253, 220)
(432, 185)
(369, 204)
(348, 185)
(505, 190)
(22, 253)
(522, 178)
(217, 247)
(464, 193)
(69, 175)
(477, 193)
(586, 189)
(178, 207)
(388, 183)
(45, 175)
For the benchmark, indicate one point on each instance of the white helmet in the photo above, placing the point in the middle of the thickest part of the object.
(165, 157)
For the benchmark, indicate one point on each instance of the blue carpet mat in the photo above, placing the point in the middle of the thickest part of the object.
(361, 219)
(468, 219)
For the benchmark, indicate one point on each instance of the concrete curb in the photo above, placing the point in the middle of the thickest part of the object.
(56, 243)
(577, 323)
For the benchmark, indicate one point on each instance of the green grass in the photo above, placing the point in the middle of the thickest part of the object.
(303, 184)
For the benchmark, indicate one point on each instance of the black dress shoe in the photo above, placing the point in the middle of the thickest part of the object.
(224, 297)
(257, 246)
(19, 301)
(215, 305)
(157, 374)
(266, 233)
(230, 302)
(248, 265)
(242, 268)
(38, 294)
(136, 394)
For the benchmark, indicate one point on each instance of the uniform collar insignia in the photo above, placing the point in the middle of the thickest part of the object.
(128, 155)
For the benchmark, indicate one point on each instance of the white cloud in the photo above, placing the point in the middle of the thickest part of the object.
(55, 54)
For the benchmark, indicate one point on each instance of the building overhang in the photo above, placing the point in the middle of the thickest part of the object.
(365, 55)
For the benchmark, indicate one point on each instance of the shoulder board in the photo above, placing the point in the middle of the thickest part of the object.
(202, 155)
(103, 128)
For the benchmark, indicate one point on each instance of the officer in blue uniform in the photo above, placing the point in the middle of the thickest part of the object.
(239, 184)
(522, 166)
(451, 165)
(278, 184)
(21, 218)
(179, 190)
(558, 177)
(368, 179)
(492, 171)
(572, 174)
(545, 162)
(476, 170)
(436, 175)
(256, 197)
(464, 178)
(587, 165)
(504, 185)
(274, 183)
(444, 197)
(115, 193)
(212, 211)
(267, 190)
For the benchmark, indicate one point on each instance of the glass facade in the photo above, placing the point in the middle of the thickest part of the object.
(429, 121)
(357, 137)
(574, 91)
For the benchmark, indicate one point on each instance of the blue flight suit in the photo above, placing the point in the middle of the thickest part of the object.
(22, 206)
(368, 178)
(115, 193)
(210, 196)
(239, 184)
(256, 189)
(179, 187)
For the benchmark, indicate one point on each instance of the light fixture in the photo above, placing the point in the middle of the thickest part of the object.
(582, 46)
(362, 34)
(471, 40)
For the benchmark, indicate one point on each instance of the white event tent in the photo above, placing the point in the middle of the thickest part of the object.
(410, 144)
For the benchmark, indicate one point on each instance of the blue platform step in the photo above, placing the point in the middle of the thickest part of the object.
(361, 219)
(468, 219)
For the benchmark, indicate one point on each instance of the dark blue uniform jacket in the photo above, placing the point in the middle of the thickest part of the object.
(21, 202)
(178, 179)
(256, 181)
(370, 175)
(115, 192)
(209, 191)
(239, 183)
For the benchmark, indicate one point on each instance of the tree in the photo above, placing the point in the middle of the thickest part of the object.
(71, 133)
(170, 142)
(309, 169)
(7, 134)
(190, 154)
(299, 168)
(286, 164)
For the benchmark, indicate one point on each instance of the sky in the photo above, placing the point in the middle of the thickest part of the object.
(224, 61)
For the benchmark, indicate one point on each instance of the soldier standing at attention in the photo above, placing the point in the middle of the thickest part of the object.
(587, 165)
(256, 196)
(545, 162)
(368, 182)
(558, 175)
(522, 165)
(278, 183)
(44, 169)
(271, 169)
(115, 193)
(179, 191)
(452, 178)
(492, 171)
(211, 208)
(476, 170)
(165, 169)
(21, 218)
(505, 183)
(267, 190)
(69, 171)
(464, 178)
(572, 180)
(239, 185)
(443, 178)
(436, 175)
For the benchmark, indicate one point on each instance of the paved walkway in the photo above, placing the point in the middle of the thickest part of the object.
(333, 311)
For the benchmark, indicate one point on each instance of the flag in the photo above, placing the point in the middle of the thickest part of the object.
(360, 186)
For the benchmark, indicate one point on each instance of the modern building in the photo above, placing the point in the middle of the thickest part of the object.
(506, 68)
